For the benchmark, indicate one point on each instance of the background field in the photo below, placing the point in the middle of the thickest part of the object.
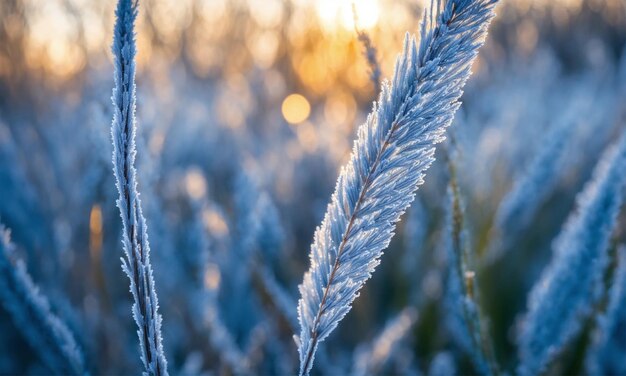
(246, 110)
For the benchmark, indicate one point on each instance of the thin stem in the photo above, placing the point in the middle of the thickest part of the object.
(468, 278)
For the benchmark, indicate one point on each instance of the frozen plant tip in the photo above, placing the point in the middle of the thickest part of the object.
(393, 150)
(30, 310)
(134, 235)
(569, 287)
(369, 51)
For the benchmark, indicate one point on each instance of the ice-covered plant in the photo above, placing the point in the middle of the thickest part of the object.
(465, 317)
(30, 310)
(134, 236)
(565, 294)
(531, 189)
(393, 150)
(369, 50)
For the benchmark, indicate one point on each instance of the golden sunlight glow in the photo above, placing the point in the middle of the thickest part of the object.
(339, 12)
(58, 52)
(296, 109)
(95, 231)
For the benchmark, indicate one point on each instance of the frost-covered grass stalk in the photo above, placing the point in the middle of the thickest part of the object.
(370, 55)
(134, 238)
(257, 238)
(30, 311)
(606, 355)
(571, 284)
(532, 188)
(369, 51)
(393, 150)
(468, 320)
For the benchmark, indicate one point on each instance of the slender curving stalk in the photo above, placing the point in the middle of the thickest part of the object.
(463, 287)
(30, 310)
(563, 298)
(134, 238)
(393, 150)
(369, 50)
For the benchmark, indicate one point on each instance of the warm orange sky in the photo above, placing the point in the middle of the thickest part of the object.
(54, 25)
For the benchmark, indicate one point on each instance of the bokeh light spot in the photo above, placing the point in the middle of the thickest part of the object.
(296, 108)
(95, 231)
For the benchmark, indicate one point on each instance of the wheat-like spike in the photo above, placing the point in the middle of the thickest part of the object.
(569, 287)
(134, 238)
(393, 150)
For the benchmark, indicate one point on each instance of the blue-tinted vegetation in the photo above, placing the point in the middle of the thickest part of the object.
(237, 126)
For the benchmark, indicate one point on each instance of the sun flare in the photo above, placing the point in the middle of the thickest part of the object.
(338, 13)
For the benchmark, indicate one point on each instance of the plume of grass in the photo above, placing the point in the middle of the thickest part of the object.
(238, 308)
(606, 355)
(236, 320)
(566, 292)
(258, 236)
(370, 360)
(466, 319)
(257, 220)
(532, 188)
(369, 51)
(393, 150)
(134, 235)
(31, 313)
